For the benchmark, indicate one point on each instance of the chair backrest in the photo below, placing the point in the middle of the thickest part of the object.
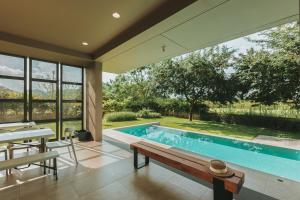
(69, 133)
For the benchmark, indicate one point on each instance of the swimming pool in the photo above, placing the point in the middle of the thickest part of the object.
(278, 161)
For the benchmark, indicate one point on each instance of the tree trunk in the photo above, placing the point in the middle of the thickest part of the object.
(191, 112)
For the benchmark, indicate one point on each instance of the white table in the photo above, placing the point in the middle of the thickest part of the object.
(16, 125)
(39, 134)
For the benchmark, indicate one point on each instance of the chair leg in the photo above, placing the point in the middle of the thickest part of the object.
(74, 152)
(69, 151)
(49, 160)
(10, 155)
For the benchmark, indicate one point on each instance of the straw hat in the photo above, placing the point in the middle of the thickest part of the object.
(219, 168)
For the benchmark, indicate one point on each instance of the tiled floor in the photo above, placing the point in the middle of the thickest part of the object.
(106, 171)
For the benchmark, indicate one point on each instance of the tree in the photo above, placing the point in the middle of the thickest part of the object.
(198, 77)
(132, 91)
(272, 74)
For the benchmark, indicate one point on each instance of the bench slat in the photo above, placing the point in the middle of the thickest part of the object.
(191, 164)
(8, 164)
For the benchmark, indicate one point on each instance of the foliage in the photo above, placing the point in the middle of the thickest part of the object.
(197, 78)
(272, 74)
(146, 113)
(275, 123)
(250, 108)
(120, 116)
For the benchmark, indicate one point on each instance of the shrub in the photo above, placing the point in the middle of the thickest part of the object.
(146, 113)
(275, 123)
(120, 116)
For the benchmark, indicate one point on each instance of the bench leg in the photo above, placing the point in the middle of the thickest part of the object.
(44, 163)
(219, 191)
(136, 160)
(55, 168)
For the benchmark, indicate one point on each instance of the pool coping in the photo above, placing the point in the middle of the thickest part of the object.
(208, 134)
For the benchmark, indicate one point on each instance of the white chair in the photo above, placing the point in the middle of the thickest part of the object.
(67, 142)
(3, 149)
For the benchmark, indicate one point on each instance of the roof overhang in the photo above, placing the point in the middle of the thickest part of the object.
(202, 24)
(54, 30)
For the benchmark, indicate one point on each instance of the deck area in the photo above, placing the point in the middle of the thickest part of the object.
(105, 171)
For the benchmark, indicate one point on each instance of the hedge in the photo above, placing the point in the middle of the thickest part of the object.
(147, 114)
(275, 123)
(120, 116)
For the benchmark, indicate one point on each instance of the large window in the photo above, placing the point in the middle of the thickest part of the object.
(71, 97)
(49, 93)
(43, 93)
(12, 88)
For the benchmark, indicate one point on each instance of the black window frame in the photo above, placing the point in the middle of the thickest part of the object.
(62, 101)
(56, 100)
(24, 78)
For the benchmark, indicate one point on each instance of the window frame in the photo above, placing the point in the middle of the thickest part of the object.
(56, 100)
(24, 79)
(62, 101)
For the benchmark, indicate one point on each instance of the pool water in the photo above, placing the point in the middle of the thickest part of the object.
(278, 161)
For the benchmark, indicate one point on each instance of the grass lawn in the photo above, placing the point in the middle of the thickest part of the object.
(231, 130)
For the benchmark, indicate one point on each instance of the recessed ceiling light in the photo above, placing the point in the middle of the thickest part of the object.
(85, 43)
(116, 15)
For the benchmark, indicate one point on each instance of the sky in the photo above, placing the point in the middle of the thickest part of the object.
(241, 44)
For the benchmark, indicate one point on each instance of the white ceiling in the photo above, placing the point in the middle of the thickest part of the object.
(202, 24)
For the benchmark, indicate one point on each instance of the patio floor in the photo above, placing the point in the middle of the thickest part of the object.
(106, 171)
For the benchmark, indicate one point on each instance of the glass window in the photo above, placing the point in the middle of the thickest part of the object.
(11, 88)
(44, 70)
(72, 110)
(43, 90)
(72, 92)
(72, 74)
(11, 111)
(11, 66)
(43, 111)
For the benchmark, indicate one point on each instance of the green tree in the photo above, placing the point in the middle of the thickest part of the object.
(272, 74)
(198, 77)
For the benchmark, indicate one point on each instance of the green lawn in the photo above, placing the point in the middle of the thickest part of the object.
(231, 130)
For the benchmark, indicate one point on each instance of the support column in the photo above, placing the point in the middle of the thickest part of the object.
(94, 100)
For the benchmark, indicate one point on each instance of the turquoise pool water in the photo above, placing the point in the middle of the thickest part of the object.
(273, 160)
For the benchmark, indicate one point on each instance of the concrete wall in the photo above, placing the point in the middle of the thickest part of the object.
(94, 100)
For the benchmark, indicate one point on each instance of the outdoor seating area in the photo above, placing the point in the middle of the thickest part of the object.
(149, 99)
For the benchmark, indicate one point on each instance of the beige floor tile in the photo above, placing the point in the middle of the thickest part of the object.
(114, 191)
(123, 154)
(9, 193)
(98, 162)
(107, 148)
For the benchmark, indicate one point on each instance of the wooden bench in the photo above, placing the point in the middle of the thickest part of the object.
(190, 164)
(31, 160)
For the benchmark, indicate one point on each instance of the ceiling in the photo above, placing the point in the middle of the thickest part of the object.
(55, 29)
(60, 26)
(202, 24)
